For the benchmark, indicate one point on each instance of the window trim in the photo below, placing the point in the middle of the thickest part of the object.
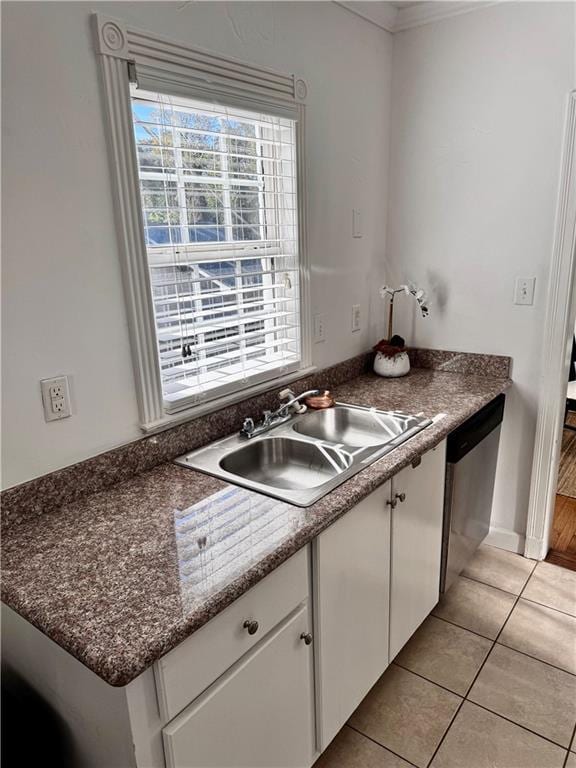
(171, 67)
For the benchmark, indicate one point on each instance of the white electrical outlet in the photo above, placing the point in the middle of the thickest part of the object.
(319, 329)
(356, 322)
(55, 398)
(524, 290)
(56, 390)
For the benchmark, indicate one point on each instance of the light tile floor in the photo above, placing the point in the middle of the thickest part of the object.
(488, 681)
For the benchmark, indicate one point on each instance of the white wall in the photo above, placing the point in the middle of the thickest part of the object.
(478, 111)
(63, 309)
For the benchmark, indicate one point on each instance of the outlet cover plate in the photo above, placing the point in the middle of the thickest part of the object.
(55, 398)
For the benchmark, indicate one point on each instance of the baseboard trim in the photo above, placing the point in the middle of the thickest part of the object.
(535, 549)
(505, 539)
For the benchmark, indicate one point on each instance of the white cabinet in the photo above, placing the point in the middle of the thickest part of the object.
(418, 499)
(225, 639)
(259, 714)
(351, 569)
(230, 698)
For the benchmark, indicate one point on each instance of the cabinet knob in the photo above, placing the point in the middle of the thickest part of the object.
(307, 637)
(401, 496)
(391, 503)
(251, 625)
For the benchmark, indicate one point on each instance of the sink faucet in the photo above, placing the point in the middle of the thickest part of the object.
(273, 418)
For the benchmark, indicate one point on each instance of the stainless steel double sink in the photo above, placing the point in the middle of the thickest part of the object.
(304, 459)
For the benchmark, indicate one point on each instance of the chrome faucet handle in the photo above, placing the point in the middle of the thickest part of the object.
(247, 426)
(292, 401)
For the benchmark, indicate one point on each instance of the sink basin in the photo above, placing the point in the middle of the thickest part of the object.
(301, 460)
(357, 428)
(281, 462)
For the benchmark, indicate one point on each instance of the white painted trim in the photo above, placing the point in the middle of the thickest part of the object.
(502, 538)
(172, 420)
(556, 349)
(382, 15)
(137, 290)
(119, 46)
(391, 19)
(430, 12)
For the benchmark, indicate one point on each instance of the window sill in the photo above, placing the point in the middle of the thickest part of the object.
(195, 411)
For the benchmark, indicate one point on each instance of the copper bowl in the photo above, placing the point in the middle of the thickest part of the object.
(317, 402)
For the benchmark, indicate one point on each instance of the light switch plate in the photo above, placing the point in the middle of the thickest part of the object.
(55, 398)
(356, 318)
(524, 290)
(356, 222)
(319, 328)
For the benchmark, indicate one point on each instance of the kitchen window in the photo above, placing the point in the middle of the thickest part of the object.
(219, 208)
(207, 157)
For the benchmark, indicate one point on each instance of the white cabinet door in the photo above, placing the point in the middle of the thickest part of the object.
(352, 579)
(259, 714)
(416, 545)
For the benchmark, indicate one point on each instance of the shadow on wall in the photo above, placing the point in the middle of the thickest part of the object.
(33, 734)
(437, 287)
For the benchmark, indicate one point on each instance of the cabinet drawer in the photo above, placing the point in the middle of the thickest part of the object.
(259, 714)
(183, 673)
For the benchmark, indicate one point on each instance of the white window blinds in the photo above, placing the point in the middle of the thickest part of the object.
(219, 204)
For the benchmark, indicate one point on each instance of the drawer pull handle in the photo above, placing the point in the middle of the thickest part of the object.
(307, 637)
(401, 496)
(251, 625)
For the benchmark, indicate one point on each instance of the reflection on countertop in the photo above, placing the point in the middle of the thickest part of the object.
(222, 536)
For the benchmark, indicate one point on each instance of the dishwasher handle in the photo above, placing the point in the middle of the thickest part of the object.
(467, 436)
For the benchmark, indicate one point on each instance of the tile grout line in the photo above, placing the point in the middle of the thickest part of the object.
(566, 756)
(460, 705)
(572, 744)
(453, 623)
(549, 607)
(478, 672)
(515, 604)
(482, 706)
(518, 725)
(491, 640)
(465, 697)
(520, 596)
(487, 584)
(381, 745)
(535, 658)
(418, 674)
(513, 649)
(454, 716)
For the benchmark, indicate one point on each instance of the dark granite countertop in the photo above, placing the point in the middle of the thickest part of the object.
(118, 578)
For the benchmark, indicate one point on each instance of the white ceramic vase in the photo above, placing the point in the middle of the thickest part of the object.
(399, 365)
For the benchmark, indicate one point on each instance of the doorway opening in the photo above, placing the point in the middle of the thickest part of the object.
(563, 535)
(557, 346)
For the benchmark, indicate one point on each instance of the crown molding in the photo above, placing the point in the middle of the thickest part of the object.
(381, 14)
(388, 17)
(437, 10)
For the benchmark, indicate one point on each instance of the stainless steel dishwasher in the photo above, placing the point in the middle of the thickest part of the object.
(471, 456)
